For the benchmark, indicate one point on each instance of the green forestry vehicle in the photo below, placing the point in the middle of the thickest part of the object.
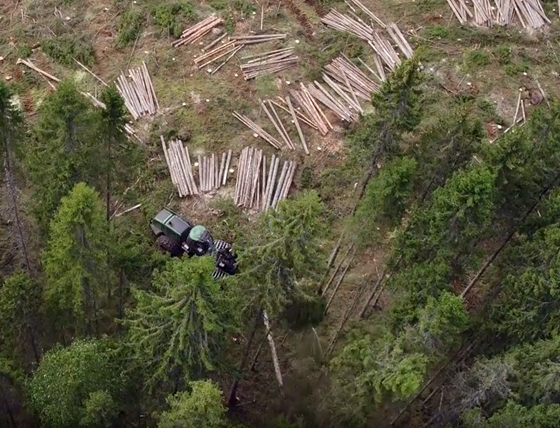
(178, 236)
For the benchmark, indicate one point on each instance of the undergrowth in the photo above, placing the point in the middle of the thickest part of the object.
(168, 16)
(64, 49)
(130, 27)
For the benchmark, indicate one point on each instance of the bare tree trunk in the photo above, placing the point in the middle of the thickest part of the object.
(13, 197)
(272, 345)
(232, 399)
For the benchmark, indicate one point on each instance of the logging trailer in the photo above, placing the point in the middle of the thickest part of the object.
(177, 236)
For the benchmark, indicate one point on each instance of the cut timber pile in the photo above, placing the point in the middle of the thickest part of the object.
(229, 49)
(268, 63)
(180, 169)
(258, 185)
(376, 38)
(213, 172)
(486, 13)
(351, 78)
(197, 31)
(138, 93)
(311, 109)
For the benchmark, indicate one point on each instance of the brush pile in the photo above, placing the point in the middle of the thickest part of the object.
(378, 39)
(268, 63)
(197, 31)
(212, 171)
(258, 185)
(180, 168)
(485, 13)
(138, 92)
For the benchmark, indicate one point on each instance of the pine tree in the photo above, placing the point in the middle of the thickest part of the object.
(200, 408)
(177, 331)
(120, 155)
(65, 150)
(75, 261)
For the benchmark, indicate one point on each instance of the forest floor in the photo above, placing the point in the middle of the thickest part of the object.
(488, 65)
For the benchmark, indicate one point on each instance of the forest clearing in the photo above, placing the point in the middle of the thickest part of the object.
(279, 213)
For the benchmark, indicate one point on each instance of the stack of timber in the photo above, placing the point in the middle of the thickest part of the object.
(351, 78)
(258, 130)
(258, 185)
(261, 38)
(138, 93)
(212, 171)
(227, 50)
(268, 63)
(180, 169)
(378, 39)
(197, 31)
(311, 109)
(485, 13)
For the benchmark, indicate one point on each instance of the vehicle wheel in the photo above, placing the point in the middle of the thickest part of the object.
(168, 245)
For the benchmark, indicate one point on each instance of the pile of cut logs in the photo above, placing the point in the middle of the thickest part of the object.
(211, 175)
(258, 186)
(486, 13)
(376, 38)
(180, 167)
(268, 106)
(229, 49)
(197, 31)
(268, 63)
(261, 38)
(138, 93)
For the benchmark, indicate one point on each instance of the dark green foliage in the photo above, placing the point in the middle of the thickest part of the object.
(304, 312)
(20, 302)
(200, 408)
(176, 331)
(64, 49)
(244, 7)
(168, 16)
(76, 262)
(73, 384)
(397, 111)
(130, 26)
(515, 416)
(282, 255)
(64, 150)
(385, 200)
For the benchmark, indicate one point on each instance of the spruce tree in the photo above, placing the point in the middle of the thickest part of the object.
(64, 151)
(176, 331)
(75, 262)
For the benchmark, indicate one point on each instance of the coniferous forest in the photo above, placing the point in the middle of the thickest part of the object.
(452, 322)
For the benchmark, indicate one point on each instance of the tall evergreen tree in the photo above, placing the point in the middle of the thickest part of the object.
(65, 150)
(120, 155)
(75, 261)
(177, 331)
